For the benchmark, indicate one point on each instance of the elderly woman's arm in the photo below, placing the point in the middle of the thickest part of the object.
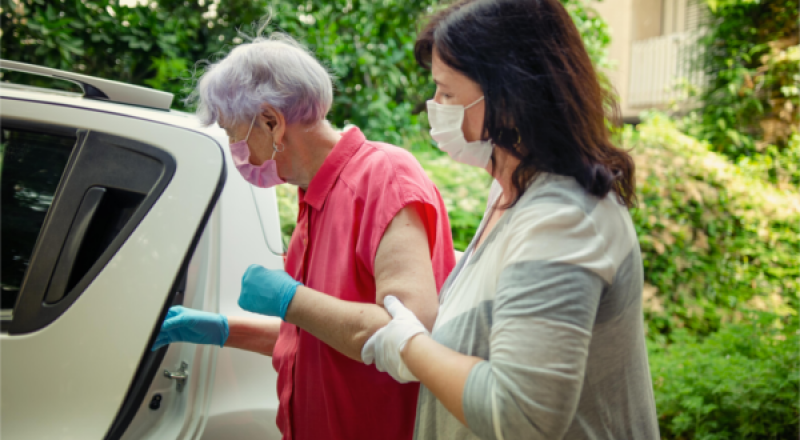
(254, 334)
(402, 269)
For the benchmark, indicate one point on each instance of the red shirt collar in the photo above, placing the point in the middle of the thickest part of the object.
(331, 168)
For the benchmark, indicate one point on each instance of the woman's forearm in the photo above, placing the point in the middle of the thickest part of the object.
(443, 371)
(253, 334)
(343, 325)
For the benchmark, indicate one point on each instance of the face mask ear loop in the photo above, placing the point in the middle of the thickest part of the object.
(473, 104)
(251, 128)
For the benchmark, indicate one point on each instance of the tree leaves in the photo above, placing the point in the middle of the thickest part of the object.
(367, 45)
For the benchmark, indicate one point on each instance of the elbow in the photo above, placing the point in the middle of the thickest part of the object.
(426, 309)
(518, 423)
(540, 408)
(428, 317)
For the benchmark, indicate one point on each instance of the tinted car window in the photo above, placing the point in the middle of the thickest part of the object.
(31, 165)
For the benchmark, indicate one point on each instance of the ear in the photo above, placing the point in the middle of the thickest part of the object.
(274, 121)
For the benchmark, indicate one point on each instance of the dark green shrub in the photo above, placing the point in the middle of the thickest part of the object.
(739, 383)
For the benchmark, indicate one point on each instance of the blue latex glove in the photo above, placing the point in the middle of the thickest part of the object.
(267, 292)
(190, 325)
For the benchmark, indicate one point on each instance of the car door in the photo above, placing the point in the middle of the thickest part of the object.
(101, 215)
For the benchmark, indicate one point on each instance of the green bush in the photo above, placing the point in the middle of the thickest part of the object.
(739, 383)
(713, 237)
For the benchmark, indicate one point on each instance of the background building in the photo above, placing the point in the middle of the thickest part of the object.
(653, 43)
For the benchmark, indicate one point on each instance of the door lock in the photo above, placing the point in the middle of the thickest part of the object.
(180, 376)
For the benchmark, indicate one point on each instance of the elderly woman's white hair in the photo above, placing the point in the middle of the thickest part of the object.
(277, 71)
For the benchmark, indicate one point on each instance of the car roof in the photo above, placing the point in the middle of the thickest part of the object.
(71, 99)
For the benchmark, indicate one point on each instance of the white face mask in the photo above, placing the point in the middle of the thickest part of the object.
(446, 122)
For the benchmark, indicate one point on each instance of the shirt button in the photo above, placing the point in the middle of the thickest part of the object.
(305, 242)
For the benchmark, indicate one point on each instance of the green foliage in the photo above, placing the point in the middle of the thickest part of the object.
(714, 239)
(752, 102)
(367, 45)
(741, 382)
(102, 38)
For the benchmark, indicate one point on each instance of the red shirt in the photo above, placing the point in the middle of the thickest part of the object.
(349, 203)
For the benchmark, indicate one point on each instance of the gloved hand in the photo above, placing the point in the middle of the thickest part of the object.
(195, 326)
(267, 292)
(385, 346)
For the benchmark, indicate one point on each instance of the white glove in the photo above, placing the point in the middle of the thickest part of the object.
(385, 345)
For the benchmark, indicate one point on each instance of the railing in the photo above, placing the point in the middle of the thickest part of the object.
(663, 69)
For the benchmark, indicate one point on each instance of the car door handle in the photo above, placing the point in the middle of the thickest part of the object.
(69, 254)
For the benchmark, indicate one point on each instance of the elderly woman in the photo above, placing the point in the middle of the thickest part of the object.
(370, 224)
(539, 333)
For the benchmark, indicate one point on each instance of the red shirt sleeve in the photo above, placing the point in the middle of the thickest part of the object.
(394, 181)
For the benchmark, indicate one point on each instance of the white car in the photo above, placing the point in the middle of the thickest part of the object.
(115, 208)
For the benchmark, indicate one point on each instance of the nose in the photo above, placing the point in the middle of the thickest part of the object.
(437, 97)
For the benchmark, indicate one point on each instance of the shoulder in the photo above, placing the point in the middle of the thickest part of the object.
(551, 189)
(390, 157)
(563, 198)
(556, 200)
(378, 164)
(557, 220)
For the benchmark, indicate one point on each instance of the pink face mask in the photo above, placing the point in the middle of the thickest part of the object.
(264, 176)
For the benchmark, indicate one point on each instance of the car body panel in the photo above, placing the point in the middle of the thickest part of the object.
(77, 375)
(42, 371)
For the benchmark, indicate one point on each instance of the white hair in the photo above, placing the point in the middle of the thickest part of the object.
(276, 70)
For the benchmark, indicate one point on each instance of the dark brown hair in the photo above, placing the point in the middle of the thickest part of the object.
(544, 101)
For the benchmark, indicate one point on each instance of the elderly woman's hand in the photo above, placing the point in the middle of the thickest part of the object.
(386, 345)
(267, 292)
(193, 326)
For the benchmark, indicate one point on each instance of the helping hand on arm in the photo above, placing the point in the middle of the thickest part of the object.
(406, 351)
(402, 268)
(384, 349)
(542, 328)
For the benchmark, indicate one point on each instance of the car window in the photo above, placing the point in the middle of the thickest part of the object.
(31, 165)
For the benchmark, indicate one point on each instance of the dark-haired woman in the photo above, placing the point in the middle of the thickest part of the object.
(540, 332)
